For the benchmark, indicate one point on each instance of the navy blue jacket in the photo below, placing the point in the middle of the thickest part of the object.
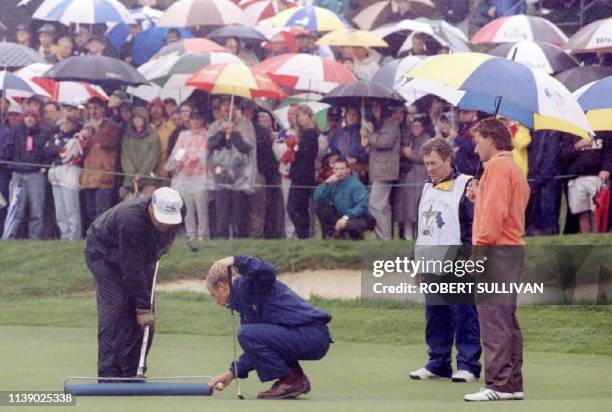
(544, 157)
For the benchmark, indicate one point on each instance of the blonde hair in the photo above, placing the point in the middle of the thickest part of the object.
(304, 109)
(213, 280)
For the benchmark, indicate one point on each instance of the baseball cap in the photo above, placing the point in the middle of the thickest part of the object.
(167, 204)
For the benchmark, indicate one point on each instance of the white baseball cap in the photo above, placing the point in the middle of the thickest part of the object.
(167, 204)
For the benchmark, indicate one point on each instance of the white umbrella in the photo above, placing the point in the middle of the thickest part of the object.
(83, 11)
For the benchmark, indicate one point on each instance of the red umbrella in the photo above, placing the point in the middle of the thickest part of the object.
(602, 206)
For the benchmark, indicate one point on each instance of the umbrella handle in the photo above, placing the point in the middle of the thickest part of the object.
(231, 112)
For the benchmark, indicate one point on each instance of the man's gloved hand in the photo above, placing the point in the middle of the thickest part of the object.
(145, 317)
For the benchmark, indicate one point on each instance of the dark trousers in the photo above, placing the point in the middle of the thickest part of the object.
(232, 210)
(502, 339)
(355, 227)
(98, 201)
(543, 209)
(119, 335)
(274, 351)
(297, 207)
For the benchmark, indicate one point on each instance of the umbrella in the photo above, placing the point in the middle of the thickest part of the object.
(306, 72)
(101, 70)
(355, 94)
(258, 10)
(376, 14)
(152, 91)
(577, 77)
(173, 70)
(83, 11)
(537, 55)
(10, 222)
(392, 73)
(62, 92)
(443, 33)
(596, 100)
(596, 36)
(246, 34)
(602, 208)
(235, 79)
(191, 13)
(352, 37)
(117, 33)
(190, 45)
(308, 18)
(499, 86)
(14, 55)
(511, 29)
(319, 109)
(150, 41)
(14, 86)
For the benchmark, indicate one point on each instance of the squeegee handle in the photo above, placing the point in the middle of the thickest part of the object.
(145, 336)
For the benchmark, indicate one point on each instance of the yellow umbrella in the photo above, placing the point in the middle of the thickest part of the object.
(351, 37)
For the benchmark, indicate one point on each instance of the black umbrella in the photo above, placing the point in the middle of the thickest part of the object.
(577, 77)
(246, 34)
(355, 94)
(13, 55)
(101, 70)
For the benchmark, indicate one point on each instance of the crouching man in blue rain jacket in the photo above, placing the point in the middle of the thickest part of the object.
(277, 327)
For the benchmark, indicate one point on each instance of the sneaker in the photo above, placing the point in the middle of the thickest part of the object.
(486, 394)
(424, 374)
(464, 376)
(519, 396)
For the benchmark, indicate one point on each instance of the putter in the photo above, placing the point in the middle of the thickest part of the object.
(142, 363)
(234, 337)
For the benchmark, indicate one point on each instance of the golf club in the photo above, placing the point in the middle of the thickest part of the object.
(234, 337)
(142, 363)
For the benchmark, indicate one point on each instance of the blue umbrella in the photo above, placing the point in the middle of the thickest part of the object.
(83, 11)
(117, 34)
(150, 41)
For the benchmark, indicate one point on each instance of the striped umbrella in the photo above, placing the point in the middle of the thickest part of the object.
(62, 92)
(235, 79)
(189, 46)
(392, 73)
(352, 37)
(306, 72)
(537, 55)
(13, 55)
(173, 70)
(499, 86)
(511, 29)
(191, 13)
(258, 10)
(83, 11)
(308, 18)
(596, 100)
(596, 36)
(14, 86)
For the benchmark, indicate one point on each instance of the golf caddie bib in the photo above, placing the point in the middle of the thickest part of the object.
(439, 228)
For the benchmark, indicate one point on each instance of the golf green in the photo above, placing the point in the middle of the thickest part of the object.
(353, 377)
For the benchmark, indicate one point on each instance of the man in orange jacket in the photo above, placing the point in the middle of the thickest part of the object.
(501, 199)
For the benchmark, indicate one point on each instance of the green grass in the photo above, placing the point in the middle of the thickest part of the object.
(353, 376)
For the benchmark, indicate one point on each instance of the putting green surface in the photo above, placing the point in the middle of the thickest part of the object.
(353, 377)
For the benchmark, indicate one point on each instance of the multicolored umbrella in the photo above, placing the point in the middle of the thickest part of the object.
(13, 55)
(596, 100)
(577, 77)
(308, 18)
(83, 11)
(352, 38)
(537, 55)
(377, 14)
(235, 79)
(173, 70)
(596, 36)
(306, 72)
(191, 13)
(61, 92)
(499, 86)
(101, 70)
(258, 10)
(511, 29)
(12, 86)
(197, 44)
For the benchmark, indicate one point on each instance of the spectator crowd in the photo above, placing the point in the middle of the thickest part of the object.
(243, 174)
